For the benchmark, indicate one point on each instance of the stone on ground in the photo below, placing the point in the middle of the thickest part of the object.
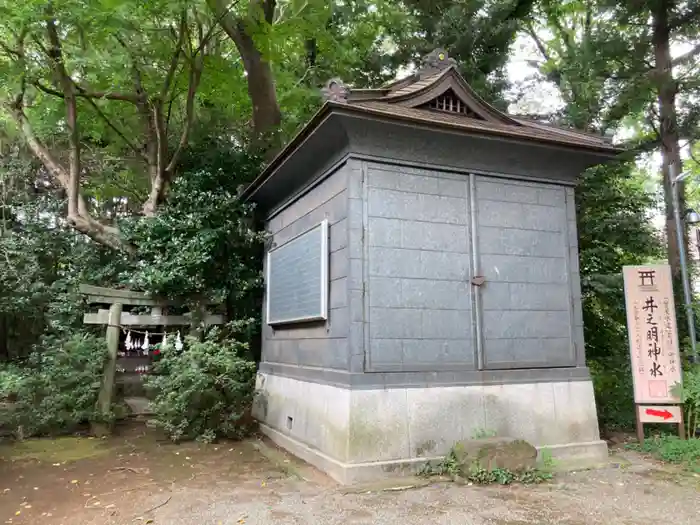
(497, 452)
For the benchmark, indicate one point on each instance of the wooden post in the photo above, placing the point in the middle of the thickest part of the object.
(640, 425)
(198, 316)
(104, 401)
(681, 425)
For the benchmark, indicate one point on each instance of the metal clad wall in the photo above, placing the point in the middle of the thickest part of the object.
(316, 344)
(418, 270)
(524, 253)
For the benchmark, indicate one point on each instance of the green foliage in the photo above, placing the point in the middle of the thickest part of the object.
(612, 384)
(481, 433)
(614, 230)
(205, 391)
(477, 33)
(200, 244)
(56, 389)
(672, 449)
(548, 461)
(689, 394)
(43, 262)
(450, 466)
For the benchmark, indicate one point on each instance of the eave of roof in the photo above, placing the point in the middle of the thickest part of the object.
(434, 119)
(291, 146)
(538, 133)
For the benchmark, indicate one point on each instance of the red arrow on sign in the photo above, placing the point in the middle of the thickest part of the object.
(659, 413)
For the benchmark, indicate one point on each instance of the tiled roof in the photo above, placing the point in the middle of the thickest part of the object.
(417, 86)
(528, 130)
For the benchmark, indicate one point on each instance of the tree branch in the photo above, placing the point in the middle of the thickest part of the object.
(85, 93)
(195, 76)
(268, 7)
(81, 221)
(110, 124)
(164, 175)
(9, 51)
(538, 42)
(555, 74)
(686, 18)
(151, 142)
(175, 60)
(66, 83)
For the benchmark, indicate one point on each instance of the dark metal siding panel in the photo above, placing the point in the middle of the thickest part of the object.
(419, 307)
(321, 344)
(524, 254)
(381, 142)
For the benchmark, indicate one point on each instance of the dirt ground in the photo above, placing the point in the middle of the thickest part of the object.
(135, 478)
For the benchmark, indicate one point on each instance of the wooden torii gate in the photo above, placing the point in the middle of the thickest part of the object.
(115, 319)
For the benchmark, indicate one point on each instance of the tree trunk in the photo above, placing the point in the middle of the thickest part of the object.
(261, 82)
(668, 128)
(4, 339)
(267, 116)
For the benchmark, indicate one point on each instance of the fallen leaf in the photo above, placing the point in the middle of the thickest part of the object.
(74, 481)
(18, 513)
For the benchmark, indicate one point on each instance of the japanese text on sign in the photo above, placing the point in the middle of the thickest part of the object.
(651, 321)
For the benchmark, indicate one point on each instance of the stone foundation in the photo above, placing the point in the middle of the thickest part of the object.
(361, 435)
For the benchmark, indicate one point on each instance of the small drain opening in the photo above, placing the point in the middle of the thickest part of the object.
(290, 422)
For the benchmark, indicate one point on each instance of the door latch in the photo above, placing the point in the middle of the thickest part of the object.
(478, 280)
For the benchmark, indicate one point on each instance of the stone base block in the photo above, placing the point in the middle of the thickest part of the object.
(364, 435)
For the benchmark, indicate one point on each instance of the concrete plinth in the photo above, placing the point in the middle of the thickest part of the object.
(361, 435)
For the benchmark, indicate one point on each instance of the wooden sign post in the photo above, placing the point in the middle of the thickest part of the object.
(653, 335)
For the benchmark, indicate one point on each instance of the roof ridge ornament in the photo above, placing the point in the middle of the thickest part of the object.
(335, 91)
(434, 62)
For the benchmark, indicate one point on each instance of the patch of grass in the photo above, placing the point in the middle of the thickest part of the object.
(483, 433)
(547, 460)
(59, 450)
(451, 467)
(672, 449)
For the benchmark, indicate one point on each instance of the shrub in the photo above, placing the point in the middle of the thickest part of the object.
(56, 389)
(612, 382)
(672, 449)
(689, 393)
(204, 391)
